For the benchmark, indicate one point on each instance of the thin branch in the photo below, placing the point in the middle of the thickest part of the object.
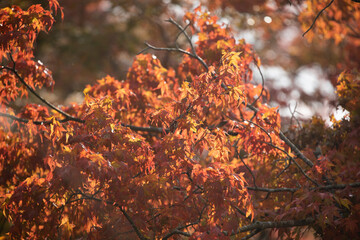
(304, 173)
(152, 218)
(240, 211)
(326, 188)
(138, 233)
(182, 30)
(174, 123)
(298, 166)
(254, 109)
(262, 129)
(317, 16)
(192, 54)
(178, 229)
(338, 186)
(180, 50)
(142, 51)
(285, 168)
(243, 213)
(145, 129)
(262, 83)
(13, 70)
(176, 49)
(247, 167)
(272, 190)
(295, 149)
(293, 112)
(23, 120)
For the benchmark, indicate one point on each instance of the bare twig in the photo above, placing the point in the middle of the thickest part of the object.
(176, 49)
(293, 115)
(192, 54)
(182, 31)
(317, 16)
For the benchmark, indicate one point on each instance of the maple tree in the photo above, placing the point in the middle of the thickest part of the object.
(188, 152)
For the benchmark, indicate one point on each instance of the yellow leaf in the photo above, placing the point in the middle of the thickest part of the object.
(345, 202)
(67, 135)
(64, 220)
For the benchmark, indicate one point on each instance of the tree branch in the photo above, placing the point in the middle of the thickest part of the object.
(338, 186)
(182, 31)
(272, 190)
(192, 54)
(262, 83)
(326, 188)
(13, 70)
(23, 120)
(176, 49)
(317, 16)
(304, 173)
(138, 233)
(279, 224)
(295, 149)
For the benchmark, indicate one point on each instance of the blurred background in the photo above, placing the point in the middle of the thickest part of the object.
(101, 37)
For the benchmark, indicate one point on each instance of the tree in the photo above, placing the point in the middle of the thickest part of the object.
(188, 152)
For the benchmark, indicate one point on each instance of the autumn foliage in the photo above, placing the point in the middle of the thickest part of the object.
(188, 153)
